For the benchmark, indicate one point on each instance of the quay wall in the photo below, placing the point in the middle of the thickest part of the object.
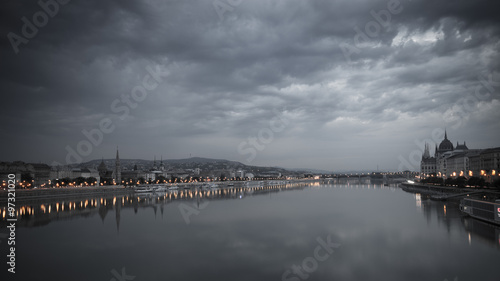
(27, 194)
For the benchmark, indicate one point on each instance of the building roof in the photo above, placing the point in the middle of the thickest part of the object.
(461, 146)
(102, 167)
(446, 144)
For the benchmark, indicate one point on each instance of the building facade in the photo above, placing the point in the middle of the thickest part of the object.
(460, 161)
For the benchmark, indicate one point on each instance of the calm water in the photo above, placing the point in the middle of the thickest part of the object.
(373, 232)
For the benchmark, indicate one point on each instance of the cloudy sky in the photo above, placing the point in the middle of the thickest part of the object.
(333, 85)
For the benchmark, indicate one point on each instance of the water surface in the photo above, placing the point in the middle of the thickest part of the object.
(380, 233)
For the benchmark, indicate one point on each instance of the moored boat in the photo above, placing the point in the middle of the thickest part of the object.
(144, 189)
(483, 210)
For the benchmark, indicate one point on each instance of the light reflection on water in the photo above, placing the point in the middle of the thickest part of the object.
(255, 234)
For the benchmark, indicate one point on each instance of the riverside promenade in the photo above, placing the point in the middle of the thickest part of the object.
(445, 192)
(69, 192)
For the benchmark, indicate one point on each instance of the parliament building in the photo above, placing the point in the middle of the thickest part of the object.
(460, 161)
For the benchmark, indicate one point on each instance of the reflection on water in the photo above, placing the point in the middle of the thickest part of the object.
(449, 216)
(255, 233)
(42, 211)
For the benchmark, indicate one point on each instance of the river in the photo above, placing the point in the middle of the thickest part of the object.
(306, 231)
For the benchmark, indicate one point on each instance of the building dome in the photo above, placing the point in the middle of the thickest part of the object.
(446, 144)
(102, 167)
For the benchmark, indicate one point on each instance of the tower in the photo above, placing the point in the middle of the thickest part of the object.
(102, 169)
(118, 170)
(426, 152)
(162, 166)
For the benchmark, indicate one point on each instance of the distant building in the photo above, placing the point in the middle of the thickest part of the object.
(486, 163)
(34, 174)
(428, 163)
(460, 161)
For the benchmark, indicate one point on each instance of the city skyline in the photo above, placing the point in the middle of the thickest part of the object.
(350, 85)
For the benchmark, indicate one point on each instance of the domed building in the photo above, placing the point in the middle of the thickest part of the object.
(447, 159)
(445, 145)
(102, 169)
(460, 161)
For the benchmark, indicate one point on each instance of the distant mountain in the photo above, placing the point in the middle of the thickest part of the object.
(199, 160)
(188, 163)
(192, 160)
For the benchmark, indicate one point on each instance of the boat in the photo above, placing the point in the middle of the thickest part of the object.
(174, 187)
(210, 187)
(160, 188)
(482, 210)
(144, 189)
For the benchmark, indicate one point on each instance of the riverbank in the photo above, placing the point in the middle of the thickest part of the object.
(23, 195)
(445, 192)
(41, 193)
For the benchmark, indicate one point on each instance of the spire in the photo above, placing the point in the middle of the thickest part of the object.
(118, 170)
(162, 167)
(426, 152)
(445, 135)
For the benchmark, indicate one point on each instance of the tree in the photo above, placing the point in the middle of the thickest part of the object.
(476, 182)
(26, 177)
(80, 180)
(496, 184)
(161, 179)
(91, 180)
(449, 182)
(434, 180)
(460, 182)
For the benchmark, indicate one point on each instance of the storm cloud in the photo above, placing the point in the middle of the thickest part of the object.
(356, 83)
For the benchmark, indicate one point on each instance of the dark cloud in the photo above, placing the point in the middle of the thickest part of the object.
(230, 76)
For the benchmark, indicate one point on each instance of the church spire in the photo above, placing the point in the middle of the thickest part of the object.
(426, 152)
(118, 170)
(445, 135)
(162, 166)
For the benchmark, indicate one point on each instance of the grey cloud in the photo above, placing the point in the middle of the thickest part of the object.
(227, 76)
